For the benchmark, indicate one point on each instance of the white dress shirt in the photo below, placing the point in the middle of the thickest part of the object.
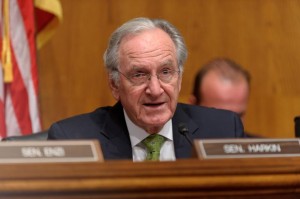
(137, 134)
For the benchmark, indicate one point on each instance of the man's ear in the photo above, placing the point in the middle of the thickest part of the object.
(192, 100)
(114, 89)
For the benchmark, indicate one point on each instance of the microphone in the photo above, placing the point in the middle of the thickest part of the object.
(183, 130)
(297, 126)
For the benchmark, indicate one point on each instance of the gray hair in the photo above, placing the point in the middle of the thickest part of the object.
(135, 26)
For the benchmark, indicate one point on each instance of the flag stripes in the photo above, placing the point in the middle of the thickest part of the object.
(18, 99)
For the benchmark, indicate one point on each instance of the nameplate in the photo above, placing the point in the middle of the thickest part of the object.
(50, 151)
(246, 148)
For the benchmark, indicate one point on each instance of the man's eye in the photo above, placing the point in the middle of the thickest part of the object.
(166, 72)
(138, 75)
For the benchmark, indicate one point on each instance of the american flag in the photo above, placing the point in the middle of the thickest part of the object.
(19, 109)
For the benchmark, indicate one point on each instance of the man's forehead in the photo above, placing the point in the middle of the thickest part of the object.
(147, 37)
(147, 48)
(161, 63)
(215, 78)
(214, 88)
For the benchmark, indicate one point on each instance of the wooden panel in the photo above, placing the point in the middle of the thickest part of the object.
(234, 178)
(263, 36)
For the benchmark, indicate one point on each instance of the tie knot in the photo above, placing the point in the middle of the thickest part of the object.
(153, 144)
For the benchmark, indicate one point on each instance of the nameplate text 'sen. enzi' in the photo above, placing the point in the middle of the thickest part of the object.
(50, 151)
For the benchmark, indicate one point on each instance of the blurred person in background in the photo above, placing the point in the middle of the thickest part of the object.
(223, 84)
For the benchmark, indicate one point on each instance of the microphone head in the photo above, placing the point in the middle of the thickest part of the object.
(182, 128)
(297, 126)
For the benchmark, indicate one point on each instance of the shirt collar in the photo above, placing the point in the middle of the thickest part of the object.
(137, 134)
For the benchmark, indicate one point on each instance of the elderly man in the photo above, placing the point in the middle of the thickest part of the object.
(144, 61)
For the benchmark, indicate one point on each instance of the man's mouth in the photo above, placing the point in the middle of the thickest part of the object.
(154, 104)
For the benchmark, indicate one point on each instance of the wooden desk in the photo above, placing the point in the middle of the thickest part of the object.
(229, 178)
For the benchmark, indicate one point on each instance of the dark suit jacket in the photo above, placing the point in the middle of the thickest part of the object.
(107, 124)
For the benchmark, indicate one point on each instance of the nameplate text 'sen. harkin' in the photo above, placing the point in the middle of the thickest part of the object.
(246, 148)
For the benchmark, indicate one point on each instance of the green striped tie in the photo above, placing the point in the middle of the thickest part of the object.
(153, 144)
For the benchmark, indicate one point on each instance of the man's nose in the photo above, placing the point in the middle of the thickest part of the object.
(154, 85)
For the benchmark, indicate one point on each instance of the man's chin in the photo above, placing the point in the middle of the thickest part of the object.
(156, 122)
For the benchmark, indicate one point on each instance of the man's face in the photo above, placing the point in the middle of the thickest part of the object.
(222, 93)
(152, 104)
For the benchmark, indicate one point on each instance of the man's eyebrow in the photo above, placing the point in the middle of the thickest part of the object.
(138, 67)
(167, 63)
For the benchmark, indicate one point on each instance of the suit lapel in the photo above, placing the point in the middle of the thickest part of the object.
(183, 148)
(117, 145)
